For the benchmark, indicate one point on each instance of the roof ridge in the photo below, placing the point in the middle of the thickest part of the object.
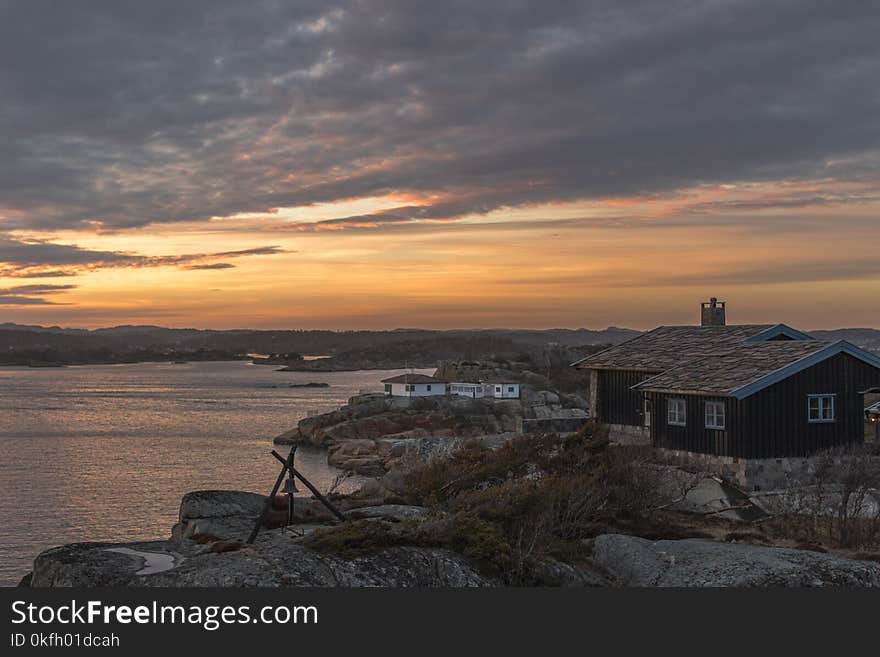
(615, 346)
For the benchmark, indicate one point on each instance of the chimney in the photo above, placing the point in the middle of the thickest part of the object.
(712, 313)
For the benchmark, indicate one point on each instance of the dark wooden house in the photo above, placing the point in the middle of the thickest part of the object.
(747, 391)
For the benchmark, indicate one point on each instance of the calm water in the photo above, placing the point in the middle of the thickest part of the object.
(106, 452)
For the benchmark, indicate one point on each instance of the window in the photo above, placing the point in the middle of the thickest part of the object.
(714, 415)
(510, 389)
(387, 388)
(676, 412)
(497, 388)
(820, 408)
(429, 386)
(410, 388)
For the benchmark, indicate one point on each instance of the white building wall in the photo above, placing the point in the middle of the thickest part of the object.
(417, 389)
(505, 390)
(472, 390)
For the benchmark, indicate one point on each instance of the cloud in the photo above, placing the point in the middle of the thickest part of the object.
(42, 259)
(38, 289)
(31, 295)
(216, 265)
(128, 113)
(17, 300)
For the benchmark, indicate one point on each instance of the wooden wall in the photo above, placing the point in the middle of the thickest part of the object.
(777, 423)
(773, 423)
(695, 437)
(616, 402)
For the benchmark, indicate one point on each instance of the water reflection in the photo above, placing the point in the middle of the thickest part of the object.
(105, 453)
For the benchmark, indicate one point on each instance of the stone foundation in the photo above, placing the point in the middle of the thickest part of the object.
(749, 474)
(625, 434)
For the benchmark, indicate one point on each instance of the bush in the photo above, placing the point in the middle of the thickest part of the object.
(481, 541)
(535, 496)
(837, 503)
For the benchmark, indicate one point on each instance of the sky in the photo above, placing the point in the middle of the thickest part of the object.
(399, 163)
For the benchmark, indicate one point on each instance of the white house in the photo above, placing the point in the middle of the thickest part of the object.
(504, 390)
(414, 385)
(472, 390)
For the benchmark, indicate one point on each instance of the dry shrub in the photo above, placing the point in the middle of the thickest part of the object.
(837, 503)
(534, 496)
(509, 508)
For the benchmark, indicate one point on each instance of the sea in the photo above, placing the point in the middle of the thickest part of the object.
(105, 452)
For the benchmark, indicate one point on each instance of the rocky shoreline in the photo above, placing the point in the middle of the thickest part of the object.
(373, 433)
(455, 487)
(207, 549)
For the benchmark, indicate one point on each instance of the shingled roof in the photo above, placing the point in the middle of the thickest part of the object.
(747, 368)
(410, 377)
(728, 371)
(667, 346)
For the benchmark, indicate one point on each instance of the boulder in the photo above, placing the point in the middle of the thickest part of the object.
(217, 513)
(342, 451)
(633, 561)
(275, 560)
(289, 437)
(218, 503)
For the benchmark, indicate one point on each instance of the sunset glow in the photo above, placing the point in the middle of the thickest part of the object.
(321, 181)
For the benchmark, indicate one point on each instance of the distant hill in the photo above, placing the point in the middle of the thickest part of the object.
(35, 345)
(866, 338)
(9, 326)
(23, 344)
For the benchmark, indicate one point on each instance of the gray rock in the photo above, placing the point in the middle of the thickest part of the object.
(220, 513)
(92, 564)
(633, 561)
(276, 560)
(218, 503)
(396, 512)
(289, 437)
(550, 572)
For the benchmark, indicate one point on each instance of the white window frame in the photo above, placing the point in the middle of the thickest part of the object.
(715, 419)
(824, 402)
(679, 413)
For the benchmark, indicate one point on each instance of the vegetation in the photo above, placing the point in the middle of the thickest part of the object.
(512, 509)
(837, 503)
(507, 509)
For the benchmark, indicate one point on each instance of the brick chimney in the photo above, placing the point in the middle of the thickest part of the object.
(712, 313)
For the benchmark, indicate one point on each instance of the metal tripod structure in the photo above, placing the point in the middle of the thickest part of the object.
(292, 474)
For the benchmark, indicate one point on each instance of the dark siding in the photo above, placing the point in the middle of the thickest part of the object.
(616, 402)
(695, 437)
(777, 416)
(773, 423)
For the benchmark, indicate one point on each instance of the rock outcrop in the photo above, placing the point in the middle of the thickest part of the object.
(287, 557)
(633, 561)
(207, 549)
(369, 434)
(275, 560)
